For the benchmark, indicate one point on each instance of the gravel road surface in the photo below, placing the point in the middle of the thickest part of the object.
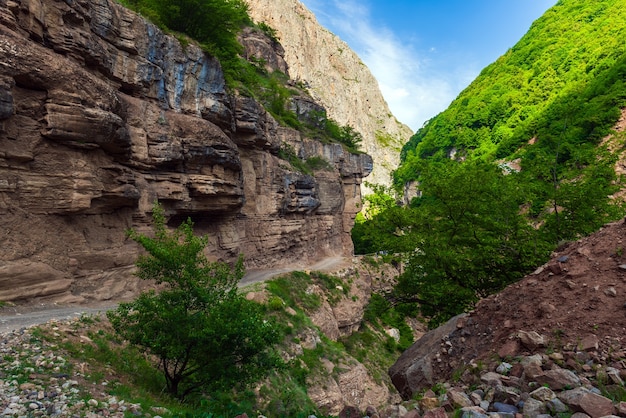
(18, 317)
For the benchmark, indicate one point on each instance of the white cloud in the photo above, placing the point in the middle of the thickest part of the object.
(413, 91)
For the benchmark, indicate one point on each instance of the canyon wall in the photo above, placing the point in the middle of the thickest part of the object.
(101, 114)
(338, 79)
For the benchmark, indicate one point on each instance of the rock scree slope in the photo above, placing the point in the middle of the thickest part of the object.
(575, 305)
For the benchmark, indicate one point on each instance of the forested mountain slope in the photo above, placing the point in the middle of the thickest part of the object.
(517, 164)
(569, 67)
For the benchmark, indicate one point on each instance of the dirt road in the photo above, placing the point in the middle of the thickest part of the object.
(18, 317)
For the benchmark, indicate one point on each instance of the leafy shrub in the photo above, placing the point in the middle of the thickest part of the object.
(318, 163)
(205, 335)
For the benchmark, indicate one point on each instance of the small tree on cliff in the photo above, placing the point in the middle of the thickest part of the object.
(205, 335)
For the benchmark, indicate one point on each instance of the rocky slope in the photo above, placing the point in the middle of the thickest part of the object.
(338, 79)
(45, 376)
(101, 114)
(564, 327)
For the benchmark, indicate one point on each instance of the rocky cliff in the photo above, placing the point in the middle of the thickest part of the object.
(101, 114)
(338, 79)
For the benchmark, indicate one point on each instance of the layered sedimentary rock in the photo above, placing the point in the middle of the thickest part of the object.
(338, 79)
(101, 114)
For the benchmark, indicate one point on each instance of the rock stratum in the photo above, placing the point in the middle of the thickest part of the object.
(101, 114)
(338, 79)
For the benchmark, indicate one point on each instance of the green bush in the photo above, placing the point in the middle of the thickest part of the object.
(204, 334)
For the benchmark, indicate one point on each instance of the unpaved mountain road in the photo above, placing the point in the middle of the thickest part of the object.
(327, 264)
(22, 316)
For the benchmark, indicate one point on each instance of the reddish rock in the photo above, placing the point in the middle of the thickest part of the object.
(436, 413)
(532, 339)
(411, 414)
(532, 371)
(583, 400)
(459, 399)
(558, 379)
(372, 412)
(509, 349)
(517, 370)
(555, 268)
(596, 406)
(589, 343)
(350, 411)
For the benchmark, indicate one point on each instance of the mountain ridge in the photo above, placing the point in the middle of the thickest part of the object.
(338, 79)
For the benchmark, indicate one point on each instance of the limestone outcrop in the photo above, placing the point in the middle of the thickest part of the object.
(337, 78)
(101, 114)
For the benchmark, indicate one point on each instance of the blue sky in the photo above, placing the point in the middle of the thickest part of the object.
(424, 52)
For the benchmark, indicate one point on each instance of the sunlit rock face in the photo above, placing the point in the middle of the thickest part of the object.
(101, 114)
(338, 80)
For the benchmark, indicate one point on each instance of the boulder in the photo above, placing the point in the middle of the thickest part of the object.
(583, 400)
(413, 371)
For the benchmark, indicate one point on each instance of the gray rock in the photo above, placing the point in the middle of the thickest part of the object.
(491, 379)
(6, 103)
(507, 394)
(413, 370)
(543, 394)
(556, 405)
(504, 408)
(614, 375)
(533, 407)
(471, 413)
(504, 368)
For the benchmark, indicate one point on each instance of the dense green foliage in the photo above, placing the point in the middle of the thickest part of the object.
(566, 69)
(205, 335)
(463, 238)
(513, 167)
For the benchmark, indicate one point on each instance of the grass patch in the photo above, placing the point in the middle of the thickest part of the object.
(294, 289)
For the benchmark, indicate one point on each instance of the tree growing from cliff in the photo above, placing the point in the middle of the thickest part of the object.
(205, 335)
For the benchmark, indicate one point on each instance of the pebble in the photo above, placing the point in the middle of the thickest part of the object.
(32, 384)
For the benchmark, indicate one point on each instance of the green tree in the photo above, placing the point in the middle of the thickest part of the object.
(205, 335)
(469, 237)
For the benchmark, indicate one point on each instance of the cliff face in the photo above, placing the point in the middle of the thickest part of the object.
(101, 114)
(338, 79)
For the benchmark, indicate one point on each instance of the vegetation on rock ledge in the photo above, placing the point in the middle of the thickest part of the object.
(215, 25)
